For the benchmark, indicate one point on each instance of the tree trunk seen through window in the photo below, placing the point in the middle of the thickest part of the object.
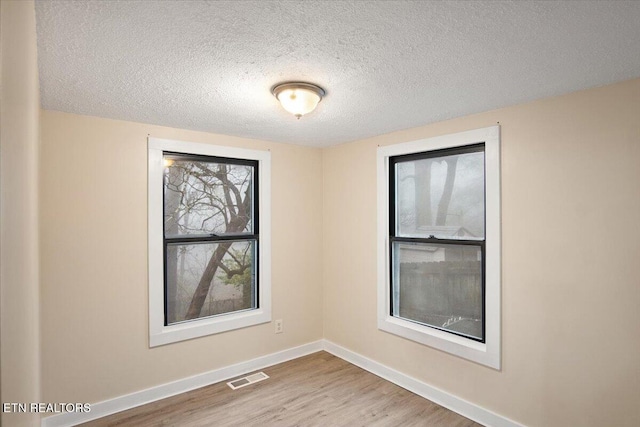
(423, 192)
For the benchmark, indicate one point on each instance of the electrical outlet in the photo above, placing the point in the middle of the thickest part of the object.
(278, 326)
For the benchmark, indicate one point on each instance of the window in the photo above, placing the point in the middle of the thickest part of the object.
(208, 239)
(439, 243)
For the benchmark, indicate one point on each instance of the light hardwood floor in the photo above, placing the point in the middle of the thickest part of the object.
(315, 390)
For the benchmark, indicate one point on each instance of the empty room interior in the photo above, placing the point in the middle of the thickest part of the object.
(320, 213)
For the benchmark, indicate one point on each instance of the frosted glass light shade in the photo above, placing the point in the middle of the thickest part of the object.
(298, 98)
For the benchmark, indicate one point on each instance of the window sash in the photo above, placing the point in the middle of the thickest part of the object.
(393, 273)
(254, 267)
(213, 237)
(255, 194)
(395, 238)
(431, 154)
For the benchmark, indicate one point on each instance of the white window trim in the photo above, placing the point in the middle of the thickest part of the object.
(159, 334)
(487, 353)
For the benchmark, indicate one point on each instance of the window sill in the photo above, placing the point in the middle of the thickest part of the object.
(207, 326)
(462, 347)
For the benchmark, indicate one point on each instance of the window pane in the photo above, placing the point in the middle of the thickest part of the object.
(202, 197)
(442, 196)
(207, 279)
(439, 285)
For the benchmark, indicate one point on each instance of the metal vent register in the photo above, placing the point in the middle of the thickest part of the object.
(249, 379)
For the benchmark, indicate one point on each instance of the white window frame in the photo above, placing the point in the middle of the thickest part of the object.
(159, 334)
(487, 353)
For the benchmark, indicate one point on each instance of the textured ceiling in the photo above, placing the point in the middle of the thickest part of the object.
(386, 66)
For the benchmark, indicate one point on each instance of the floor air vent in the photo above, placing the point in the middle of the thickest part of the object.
(249, 379)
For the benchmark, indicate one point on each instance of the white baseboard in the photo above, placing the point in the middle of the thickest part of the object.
(442, 398)
(122, 403)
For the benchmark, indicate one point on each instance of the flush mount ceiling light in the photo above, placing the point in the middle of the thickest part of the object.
(298, 98)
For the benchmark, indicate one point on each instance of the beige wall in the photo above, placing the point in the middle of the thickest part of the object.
(93, 216)
(571, 252)
(19, 118)
(571, 245)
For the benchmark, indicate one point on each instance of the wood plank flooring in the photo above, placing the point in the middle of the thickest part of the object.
(316, 390)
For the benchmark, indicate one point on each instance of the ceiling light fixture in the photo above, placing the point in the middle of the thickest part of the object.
(298, 98)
